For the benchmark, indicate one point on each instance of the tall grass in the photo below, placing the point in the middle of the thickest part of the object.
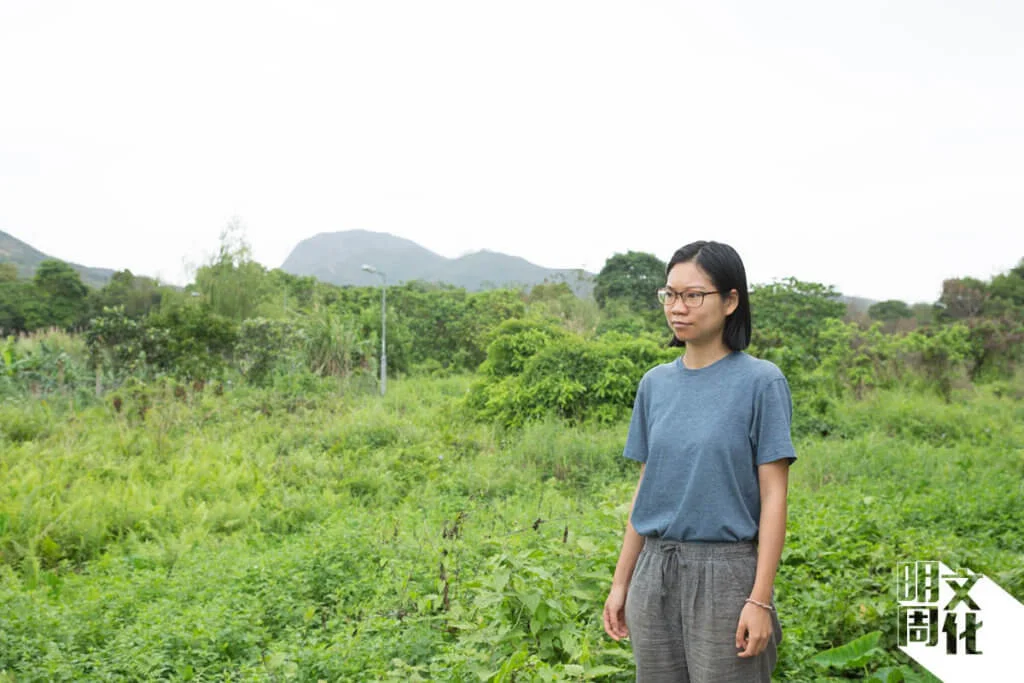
(339, 535)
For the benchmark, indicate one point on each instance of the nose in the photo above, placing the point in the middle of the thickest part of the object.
(678, 304)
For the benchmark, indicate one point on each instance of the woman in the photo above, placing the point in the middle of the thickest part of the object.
(694, 582)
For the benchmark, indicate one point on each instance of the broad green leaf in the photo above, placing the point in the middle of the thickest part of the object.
(853, 654)
(530, 600)
(500, 579)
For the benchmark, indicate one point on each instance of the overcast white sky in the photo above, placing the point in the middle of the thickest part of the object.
(876, 146)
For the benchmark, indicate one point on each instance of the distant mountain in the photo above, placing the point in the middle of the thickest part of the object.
(27, 258)
(338, 257)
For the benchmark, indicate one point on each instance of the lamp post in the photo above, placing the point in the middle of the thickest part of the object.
(383, 326)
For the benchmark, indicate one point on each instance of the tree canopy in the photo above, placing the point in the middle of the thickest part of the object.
(891, 309)
(231, 283)
(632, 278)
(63, 293)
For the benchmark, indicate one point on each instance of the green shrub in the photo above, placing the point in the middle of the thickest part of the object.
(265, 347)
(333, 346)
(188, 342)
(530, 374)
(515, 342)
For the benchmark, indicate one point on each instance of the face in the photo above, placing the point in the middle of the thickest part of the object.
(697, 325)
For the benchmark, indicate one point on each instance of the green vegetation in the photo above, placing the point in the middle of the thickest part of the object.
(630, 278)
(264, 534)
(889, 310)
(209, 488)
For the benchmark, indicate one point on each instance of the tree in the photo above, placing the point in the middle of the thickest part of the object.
(136, 295)
(446, 326)
(22, 307)
(889, 310)
(793, 309)
(485, 311)
(633, 277)
(788, 319)
(996, 346)
(15, 298)
(1007, 291)
(293, 293)
(963, 298)
(232, 284)
(63, 292)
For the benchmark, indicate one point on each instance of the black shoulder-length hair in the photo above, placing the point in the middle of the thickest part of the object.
(725, 268)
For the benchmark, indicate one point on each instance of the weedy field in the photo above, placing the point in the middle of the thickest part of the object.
(233, 534)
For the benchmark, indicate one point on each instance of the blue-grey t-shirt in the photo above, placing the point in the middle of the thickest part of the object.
(702, 433)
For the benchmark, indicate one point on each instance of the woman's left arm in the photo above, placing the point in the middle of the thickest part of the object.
(773, 479)
(754, 628)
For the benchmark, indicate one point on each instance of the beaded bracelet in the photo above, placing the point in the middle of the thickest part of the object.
(760, 604)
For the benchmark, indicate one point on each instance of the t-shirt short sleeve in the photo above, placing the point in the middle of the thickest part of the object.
(636, 440)
(773, 416)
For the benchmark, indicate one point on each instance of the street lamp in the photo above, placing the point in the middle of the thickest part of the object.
(383, 326)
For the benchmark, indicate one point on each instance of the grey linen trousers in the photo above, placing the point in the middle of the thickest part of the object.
(682, 609)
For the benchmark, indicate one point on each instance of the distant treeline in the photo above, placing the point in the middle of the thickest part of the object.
(239, 322)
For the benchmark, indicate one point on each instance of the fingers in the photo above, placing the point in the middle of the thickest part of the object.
(751, 637)
(615, 624)
(751, 644)
(608, 627)
(754, 647)
(614, 615)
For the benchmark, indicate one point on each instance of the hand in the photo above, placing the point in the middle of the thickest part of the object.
(615, 613)
(753, 631)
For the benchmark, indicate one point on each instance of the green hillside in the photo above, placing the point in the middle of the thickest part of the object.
(27, 258)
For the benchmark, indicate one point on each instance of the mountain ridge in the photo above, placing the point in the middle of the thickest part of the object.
(27, 258)
(338, 257)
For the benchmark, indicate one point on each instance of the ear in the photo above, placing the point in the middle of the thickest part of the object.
(732, 302)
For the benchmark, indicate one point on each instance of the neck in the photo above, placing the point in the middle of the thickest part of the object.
(697, 357)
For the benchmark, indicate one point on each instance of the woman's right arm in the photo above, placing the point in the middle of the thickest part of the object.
(615, 605)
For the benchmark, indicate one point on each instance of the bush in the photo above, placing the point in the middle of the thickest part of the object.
(265, 346)
(188, 342)
(192, 342)
(515, 342)
(44, 363)
(531, 374)
(333, 346)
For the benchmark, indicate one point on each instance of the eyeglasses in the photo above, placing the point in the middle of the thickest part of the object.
(692, 298)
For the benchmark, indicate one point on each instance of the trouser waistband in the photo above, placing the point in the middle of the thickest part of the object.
(701, 550)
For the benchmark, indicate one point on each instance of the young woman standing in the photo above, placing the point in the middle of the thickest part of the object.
(693, 587)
